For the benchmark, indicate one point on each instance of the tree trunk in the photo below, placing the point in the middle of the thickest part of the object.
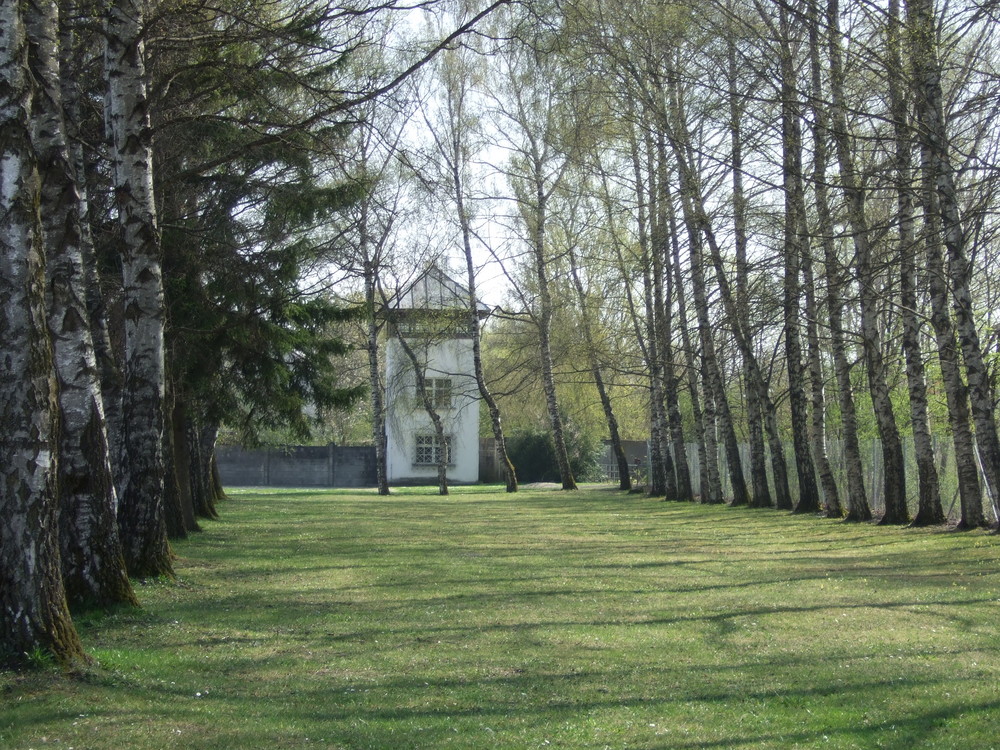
(34, 615)
(794, 219)
(657, 465)
(625, 274)
(207, 437)
(857, 498)
(935, 150)
(708, 457)
(72, 58)
(537, 243)
(956, 392)
(92, 563)
(624, 478)
(831, 494)
(375, 379)
(185, 465)
(205, 486)
(662, 315)
(645, 195)
(929, 509)
(854, 197)
(173, 512)
(675, 423)
(496, 422)
(719, 412)
(698, 224)
(428, 403)
(140, 517)
(740, 307)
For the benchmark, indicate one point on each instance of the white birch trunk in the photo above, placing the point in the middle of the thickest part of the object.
(141, 518)
(34, 615)
(92, 562)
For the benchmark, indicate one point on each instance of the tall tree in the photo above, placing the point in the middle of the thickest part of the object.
(855, 199)
(91, 553)
(34, 615)
(531, 115)
(944, 212)
(929, 509)
(140, 519)
(451, 139)
(794, 249)
(700, 233)
(739, 308)
(856, 499)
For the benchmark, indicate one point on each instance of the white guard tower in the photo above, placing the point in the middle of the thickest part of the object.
(432, 314)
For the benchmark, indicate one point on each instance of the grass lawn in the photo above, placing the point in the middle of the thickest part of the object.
(339, 619)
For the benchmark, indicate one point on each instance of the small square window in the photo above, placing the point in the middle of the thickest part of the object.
(428, 450)
(439, 391)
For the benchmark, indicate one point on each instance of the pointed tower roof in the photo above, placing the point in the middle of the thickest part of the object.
(435, 290)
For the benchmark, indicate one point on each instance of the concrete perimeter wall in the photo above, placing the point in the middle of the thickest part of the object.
(298, 466)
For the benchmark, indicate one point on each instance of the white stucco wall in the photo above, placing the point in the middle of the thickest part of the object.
(406, 415)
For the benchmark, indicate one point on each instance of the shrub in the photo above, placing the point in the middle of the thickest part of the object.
(533, 454)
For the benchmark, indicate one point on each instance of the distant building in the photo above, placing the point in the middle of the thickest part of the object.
(432, 314)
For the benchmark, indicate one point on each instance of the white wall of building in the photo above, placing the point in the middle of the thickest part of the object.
(406, 416)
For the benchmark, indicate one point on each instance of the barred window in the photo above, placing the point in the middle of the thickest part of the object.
(428, 450)
(439, 391)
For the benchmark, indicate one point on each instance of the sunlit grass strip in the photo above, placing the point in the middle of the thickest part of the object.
(591, 619)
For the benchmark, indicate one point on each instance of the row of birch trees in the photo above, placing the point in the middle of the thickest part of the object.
(170, 174)
(775, 219)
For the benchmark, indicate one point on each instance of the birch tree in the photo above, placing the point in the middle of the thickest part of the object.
(140, 518)
(451, 136)
(856, 498)
(531, 123)
(91, 553)
(943, 214)
(34, 615)
(855, 200)
(929, 510)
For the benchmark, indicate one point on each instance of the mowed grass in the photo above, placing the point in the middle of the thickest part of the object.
(595, 619)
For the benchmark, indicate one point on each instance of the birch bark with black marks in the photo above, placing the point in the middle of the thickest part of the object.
(658, 482)
(540, 168)
(140, 518)
(73, 53)
(34, 614)
(621, 460)
(660, 249)
(699, 230)
(738, 309)
(644, 190)
(536, 216)
(453, 151)
(92, 563)
(675, 422)
(701, 410)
